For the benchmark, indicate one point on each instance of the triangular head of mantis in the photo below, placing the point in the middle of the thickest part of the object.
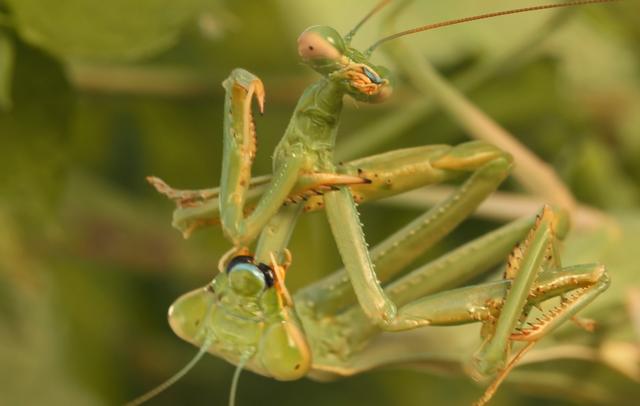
(247, 318)
(325, 51)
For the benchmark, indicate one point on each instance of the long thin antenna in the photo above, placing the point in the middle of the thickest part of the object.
(208, 340)
(236, 378)
(373, 11)
(480, 17)
(176, 377)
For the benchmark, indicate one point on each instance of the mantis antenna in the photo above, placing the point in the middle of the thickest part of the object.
(182, 372)
(373, 11)
(236, 378)
(175, 378)
(427, 27)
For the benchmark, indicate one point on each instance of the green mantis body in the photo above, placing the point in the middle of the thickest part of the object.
(246, 316)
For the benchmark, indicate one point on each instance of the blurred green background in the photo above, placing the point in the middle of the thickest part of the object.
(96, 95)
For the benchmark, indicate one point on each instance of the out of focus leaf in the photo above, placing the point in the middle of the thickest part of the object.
(31, 332)
(613, 246)
(630, 137)
(596, 177)
(33, 135)
(103, 30)
(6, 69)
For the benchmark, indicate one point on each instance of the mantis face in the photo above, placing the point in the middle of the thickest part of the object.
(246, 319)
(325, 51)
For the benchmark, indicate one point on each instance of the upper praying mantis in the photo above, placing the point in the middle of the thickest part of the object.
(246, 315)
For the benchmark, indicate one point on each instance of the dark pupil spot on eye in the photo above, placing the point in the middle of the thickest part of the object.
(268, 274)
(310, 48)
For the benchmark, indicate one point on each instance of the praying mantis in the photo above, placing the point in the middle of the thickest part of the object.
(247, 316)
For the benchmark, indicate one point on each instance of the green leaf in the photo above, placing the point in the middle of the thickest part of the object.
(34, 134)
(6, 70)
(103, 30)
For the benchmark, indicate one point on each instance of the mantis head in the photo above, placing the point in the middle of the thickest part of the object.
(326, 52)
(244, 317)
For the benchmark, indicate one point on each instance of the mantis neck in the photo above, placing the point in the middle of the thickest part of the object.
(314, 126)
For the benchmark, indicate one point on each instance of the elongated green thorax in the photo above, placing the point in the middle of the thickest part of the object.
(313, 126)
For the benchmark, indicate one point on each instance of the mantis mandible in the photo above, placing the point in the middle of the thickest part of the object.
(246, 315)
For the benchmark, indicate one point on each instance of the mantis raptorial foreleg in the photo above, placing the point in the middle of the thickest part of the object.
(238, 153)
(239, 149)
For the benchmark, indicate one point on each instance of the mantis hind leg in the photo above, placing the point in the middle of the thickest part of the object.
(535, 259)
(370, 178)
(538, 256)
(486, 303)
(375, 177)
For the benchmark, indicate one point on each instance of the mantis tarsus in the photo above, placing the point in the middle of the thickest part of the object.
(246, 315)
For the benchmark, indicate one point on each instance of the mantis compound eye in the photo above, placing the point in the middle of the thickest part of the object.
(240, 259)
(372, 76)
(248, 279)
(320, 43)
(268, 274)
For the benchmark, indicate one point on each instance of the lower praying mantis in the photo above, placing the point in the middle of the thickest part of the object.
(246, 315)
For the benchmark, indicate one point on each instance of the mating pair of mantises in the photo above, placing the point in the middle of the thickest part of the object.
(246, 315)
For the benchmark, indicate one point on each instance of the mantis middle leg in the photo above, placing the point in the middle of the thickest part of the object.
(488, 172)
